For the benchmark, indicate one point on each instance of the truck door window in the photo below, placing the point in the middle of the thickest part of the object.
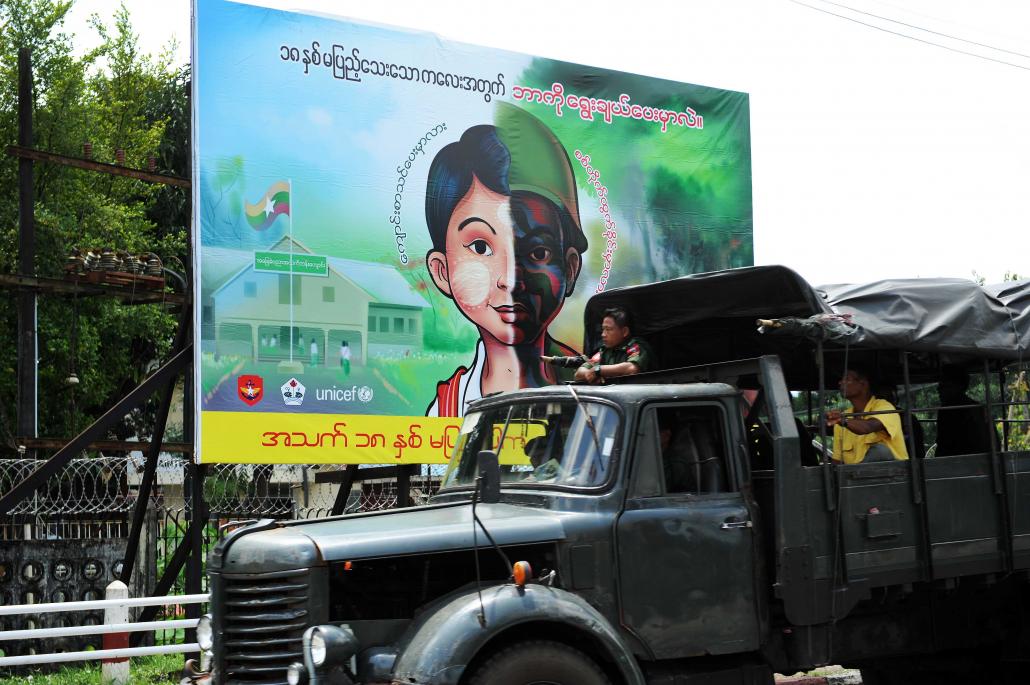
(693, 443)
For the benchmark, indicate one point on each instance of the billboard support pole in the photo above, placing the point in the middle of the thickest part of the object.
(28, 345)
(154, 452)
(195, 539)
(404, 487)
(340, 505)
(164, 584)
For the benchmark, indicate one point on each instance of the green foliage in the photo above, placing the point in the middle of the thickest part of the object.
(164, 669)
(114, 97)
(1008, 276)
(1018, 415)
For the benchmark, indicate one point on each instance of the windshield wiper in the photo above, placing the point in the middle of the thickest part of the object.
(590, 420)
(504, 432)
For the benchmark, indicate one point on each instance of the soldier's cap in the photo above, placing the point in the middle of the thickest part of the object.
(539, 162)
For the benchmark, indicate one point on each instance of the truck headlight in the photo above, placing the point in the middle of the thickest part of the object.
(328, 645)
(205, 633)
(317, 647)
(297, 674)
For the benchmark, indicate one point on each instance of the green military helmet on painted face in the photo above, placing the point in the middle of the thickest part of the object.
(539, 163)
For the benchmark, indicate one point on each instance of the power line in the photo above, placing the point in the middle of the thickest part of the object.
(925, 30)
(905, 35)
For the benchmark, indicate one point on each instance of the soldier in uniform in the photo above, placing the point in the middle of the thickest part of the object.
(621, 353)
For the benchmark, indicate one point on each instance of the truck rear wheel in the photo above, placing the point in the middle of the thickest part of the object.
(539, 663)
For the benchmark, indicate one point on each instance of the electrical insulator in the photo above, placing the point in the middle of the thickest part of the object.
(154, 265)
(75, 262)
(108, 260)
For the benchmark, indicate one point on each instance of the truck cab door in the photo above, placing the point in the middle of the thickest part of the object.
(686, 547)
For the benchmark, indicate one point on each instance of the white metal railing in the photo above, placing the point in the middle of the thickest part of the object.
(121, 654)
(116, 628)
(93, 605)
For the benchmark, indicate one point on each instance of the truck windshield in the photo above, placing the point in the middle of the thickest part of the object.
(551, 443)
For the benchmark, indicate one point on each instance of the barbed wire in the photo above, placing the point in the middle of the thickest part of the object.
(108, 486)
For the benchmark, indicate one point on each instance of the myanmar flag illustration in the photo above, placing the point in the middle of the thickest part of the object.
(275, 202)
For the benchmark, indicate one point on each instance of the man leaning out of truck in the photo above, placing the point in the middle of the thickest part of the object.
(865, 438)
(621, 354)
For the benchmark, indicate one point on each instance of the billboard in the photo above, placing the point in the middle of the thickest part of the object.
(390, 225)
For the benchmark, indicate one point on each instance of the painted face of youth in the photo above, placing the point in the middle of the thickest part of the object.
(477, 267)
(543, 267)
(503, 263)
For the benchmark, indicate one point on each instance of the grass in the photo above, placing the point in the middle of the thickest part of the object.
(163, 669)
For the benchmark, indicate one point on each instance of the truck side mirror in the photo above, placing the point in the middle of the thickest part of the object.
(489, 476)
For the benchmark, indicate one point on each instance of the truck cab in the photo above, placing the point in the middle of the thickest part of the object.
(686, 525)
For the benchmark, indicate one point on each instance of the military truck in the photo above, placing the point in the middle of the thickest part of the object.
(686, 525)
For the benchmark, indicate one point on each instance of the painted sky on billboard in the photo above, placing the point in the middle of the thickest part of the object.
(445, 211)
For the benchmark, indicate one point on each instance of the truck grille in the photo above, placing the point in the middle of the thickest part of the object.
(264, 619)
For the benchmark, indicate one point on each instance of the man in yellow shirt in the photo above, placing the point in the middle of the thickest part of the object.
(871, 438)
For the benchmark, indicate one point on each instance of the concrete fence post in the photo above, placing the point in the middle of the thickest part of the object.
(116, 671)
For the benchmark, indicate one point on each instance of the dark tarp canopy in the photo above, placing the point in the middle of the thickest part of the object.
(751, 292)
(707, 318)
(942, 315)
(710, 317)
(1016, 296)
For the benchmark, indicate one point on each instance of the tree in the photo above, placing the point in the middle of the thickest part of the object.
(114, 97)
(1018, 413)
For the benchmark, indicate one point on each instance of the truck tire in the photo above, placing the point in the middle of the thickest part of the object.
(539, 662)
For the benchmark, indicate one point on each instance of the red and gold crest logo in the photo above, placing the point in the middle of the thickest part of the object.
(250, 389)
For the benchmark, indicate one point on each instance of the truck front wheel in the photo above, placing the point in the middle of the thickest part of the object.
(539, 663)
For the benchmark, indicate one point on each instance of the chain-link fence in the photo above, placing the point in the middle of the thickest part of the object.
(94, 498)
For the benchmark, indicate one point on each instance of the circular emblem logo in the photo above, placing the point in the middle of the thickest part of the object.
(62, 571)
(92, 569)
(365, 393)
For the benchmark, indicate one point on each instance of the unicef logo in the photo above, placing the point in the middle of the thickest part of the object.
(335, 394)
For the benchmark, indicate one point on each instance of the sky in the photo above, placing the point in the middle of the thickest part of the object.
(875, 155)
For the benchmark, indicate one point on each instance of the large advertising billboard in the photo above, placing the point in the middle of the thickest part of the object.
(390, 225)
